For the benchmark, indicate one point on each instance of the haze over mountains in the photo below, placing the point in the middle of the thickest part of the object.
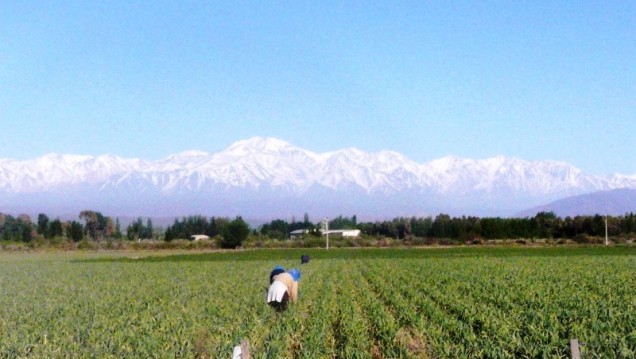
(269, 178)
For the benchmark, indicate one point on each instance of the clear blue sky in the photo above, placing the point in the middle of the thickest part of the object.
(529, 79)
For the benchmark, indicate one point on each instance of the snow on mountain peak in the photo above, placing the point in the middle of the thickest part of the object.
(186, 156)
(190, 153)
(281, 169)
(56, 158)
(262, 144)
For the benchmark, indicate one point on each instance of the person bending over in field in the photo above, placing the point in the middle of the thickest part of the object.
(283, 287)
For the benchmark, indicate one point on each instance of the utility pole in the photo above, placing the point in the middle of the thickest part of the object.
(325, 229)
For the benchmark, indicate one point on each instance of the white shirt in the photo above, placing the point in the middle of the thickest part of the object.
(276, 292)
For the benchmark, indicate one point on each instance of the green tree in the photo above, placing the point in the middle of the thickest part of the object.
(75, 231)
(441, 226)
(26, 230)
(91, 222)
(277, 228)
(55, 228)
(421, 226)
(135, 230)
(117, 233)
(108, 227)
(168, 235)
(212, 230)
(235, 233)
(546, 224)
(341, 222)
(43, 224)
(97, 225)
(493, 228)
(148, 231)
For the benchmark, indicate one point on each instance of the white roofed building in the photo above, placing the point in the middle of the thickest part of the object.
(198, 237)
(299, 233)
(343, 232)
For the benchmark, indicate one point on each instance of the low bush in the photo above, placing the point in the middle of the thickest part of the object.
(85, 244)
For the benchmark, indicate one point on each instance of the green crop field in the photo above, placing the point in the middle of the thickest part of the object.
(354, 303)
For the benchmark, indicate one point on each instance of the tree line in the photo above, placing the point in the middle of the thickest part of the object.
(93, 225)
(469, 228)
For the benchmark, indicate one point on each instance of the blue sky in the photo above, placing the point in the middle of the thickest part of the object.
(528, 79)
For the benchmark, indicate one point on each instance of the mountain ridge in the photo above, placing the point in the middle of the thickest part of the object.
(614, 202)
(285, 177)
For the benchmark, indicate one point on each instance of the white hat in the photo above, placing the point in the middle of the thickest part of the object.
(276, 292)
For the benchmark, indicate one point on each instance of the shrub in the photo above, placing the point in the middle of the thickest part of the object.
(384, 242)
(85, 244)
(314, 242)
(414, 241)
(57, 240)
(446, 241)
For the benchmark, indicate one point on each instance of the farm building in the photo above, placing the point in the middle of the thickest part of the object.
(343, 232)
(198, 237)
(299, 233)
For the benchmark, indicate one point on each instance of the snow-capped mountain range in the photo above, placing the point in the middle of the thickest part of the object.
(268, 177)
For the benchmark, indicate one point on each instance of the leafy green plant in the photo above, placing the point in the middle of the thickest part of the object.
(354, 303)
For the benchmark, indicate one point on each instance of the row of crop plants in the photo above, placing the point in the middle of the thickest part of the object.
(464, 306)
(512, 308)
